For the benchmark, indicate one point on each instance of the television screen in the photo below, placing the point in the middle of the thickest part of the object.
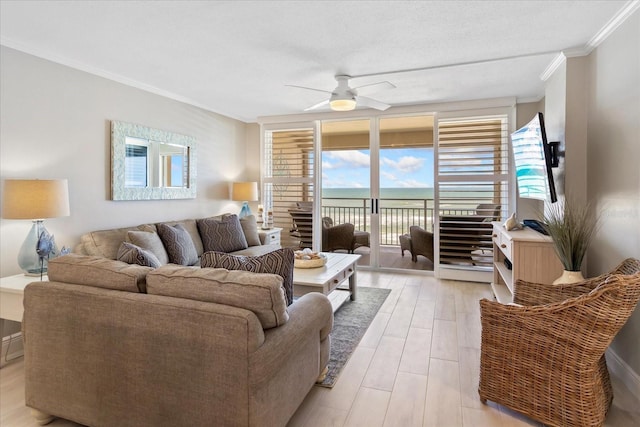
(532, 158)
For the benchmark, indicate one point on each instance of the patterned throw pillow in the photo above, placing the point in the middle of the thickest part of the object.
(223, 234)
(178, 244)
(277, 262)
(151, 242)
(132, 254)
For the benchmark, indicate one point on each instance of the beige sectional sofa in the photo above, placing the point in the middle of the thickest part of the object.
(113, 344)
(105, 243)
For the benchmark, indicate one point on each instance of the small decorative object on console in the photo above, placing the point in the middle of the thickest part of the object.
(306, 258)
(512, 223)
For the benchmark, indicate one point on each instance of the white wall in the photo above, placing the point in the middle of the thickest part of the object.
(593, 106)
(613, 174)
(56, 124)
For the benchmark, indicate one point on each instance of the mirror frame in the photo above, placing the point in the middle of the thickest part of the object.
(119, 132)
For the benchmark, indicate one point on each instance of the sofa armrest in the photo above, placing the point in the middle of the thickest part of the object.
(310, 314)
(287, 365)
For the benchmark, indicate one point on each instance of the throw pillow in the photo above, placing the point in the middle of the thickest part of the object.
(132, 254)
(223, 234)
(250, 230)
(151, 242)
(279, 262)
(178, 243)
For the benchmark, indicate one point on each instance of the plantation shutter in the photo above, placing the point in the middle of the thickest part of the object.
(289, 183)
(472, 172)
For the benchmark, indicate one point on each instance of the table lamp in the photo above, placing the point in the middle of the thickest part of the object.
(244, 192)
(36, 200)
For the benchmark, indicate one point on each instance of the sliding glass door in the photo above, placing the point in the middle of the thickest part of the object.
(346, 186)
(418, 191)
(378, 175)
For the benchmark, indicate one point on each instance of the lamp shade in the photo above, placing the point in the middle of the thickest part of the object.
(244, 191)
(35, 198)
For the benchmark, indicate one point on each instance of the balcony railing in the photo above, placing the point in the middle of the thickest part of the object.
(396, 215)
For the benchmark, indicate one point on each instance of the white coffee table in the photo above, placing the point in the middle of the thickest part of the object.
(326, 279)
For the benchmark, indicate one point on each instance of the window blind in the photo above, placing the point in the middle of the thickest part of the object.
(473, 187)
(288, 183)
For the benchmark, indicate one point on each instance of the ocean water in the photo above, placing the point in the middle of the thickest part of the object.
(393, 197)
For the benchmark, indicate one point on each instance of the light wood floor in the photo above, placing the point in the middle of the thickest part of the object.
(417, 365)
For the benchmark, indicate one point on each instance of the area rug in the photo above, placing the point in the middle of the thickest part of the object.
(350, 323)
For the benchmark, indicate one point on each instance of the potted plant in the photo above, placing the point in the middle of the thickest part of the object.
(571, 225)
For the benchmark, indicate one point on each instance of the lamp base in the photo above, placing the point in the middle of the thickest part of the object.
(28, 258)
(245, 211)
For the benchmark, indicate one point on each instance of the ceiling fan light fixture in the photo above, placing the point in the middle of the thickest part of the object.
(342, 104)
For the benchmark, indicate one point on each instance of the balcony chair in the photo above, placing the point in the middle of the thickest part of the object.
(545, 358)
(467, 238)
(419, 242)
(342, 236)
(336, 237)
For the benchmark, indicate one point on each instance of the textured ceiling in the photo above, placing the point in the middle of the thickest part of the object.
(235, 57)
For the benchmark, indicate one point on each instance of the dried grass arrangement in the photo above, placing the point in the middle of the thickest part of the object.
(571, 225)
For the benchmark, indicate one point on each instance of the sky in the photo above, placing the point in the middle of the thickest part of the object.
(399, 168)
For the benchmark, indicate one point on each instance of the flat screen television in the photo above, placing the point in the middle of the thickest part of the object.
(533, 157)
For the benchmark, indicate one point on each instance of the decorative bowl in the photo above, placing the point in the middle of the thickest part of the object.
(314, 260)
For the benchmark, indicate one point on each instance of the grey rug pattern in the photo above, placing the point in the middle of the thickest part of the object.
(350, 323)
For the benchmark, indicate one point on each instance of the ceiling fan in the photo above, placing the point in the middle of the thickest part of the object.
(346, 98)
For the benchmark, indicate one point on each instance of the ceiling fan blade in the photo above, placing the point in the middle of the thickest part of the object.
(363, 101)
(374, 87)
(318, 105)
(310, 88)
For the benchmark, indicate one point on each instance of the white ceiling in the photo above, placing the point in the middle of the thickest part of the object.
(235, 57)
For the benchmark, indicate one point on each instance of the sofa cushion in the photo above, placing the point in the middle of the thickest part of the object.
(279, 262)
(178, 243)
(223, 234)
(132, 254)
(191, 226)
(150, 241)
(250, 230)
(260, 293)
(105, 243)
(99, 272)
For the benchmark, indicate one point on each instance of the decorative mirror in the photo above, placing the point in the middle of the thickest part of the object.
(151, 164)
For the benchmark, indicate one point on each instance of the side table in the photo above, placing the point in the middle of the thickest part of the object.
(270, 236)
(11, 307)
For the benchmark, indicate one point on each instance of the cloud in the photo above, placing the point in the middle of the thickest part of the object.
(327, 165)
(388, 175)
(412, 183)
(350, 158)
(405, 163)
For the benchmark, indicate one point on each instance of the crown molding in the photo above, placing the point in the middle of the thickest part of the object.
(622, 15)
(553, 66)
(608, 28)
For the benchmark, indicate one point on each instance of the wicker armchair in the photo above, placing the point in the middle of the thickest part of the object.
(545, 359)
